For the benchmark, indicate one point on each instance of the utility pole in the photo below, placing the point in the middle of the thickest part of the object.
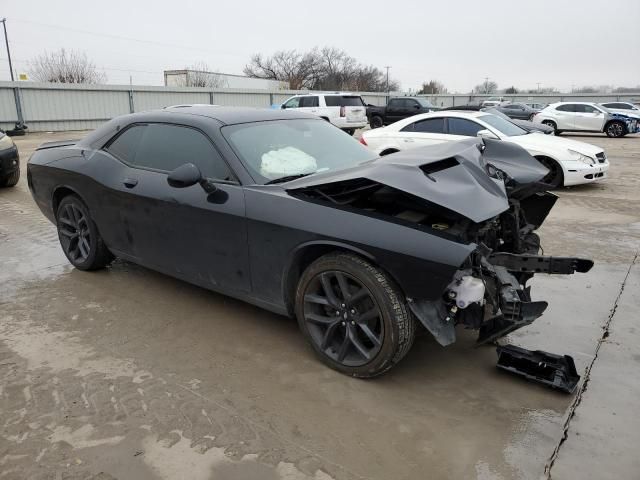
(6, 41)
(486, 85)
(538, 87)
(387, 67)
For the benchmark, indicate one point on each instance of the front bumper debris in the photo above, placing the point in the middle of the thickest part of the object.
(555, 371)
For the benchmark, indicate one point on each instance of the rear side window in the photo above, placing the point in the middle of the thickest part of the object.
(566, 108)
(396, 102)
(462, 126)
(429, 125)
(164, 147)
(343, 101)
(308, 101)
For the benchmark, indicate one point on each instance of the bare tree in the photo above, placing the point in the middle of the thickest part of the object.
(200, 75)
(328, 68)
(65, 67)
(486, 87)
(432, 87)
(300, 70)
(511, 90)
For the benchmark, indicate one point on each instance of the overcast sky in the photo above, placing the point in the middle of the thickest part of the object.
(459, 42)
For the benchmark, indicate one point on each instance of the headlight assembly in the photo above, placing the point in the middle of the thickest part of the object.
(583, 158)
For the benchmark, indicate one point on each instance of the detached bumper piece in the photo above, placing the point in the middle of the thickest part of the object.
(556, 371)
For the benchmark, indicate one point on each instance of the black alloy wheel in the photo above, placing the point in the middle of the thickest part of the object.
(79, 237)
(353, 315)
(343, 319)
(74, 233)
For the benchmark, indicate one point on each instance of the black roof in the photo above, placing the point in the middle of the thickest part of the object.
(233, 115)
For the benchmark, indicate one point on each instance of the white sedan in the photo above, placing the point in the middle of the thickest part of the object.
(569, 162)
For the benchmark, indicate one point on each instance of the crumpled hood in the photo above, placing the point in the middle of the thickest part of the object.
(452, 175)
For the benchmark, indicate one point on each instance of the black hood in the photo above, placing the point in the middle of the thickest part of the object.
(451, 174)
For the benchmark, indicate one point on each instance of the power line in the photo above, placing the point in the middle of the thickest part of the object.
(130, 39)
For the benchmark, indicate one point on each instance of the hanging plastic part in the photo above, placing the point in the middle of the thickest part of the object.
(555, 371)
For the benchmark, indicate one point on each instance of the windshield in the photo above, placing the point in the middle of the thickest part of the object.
(495, 111)
(283, 148)
(503, 126)
(424, 102)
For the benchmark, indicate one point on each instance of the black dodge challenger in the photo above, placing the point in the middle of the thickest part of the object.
(285, 211)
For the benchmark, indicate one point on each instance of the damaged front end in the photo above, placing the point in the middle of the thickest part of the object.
(487, 197)
(490, 293)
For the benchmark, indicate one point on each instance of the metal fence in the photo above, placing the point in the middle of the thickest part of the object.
(58, 107)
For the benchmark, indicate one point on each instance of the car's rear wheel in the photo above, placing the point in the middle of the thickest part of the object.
(552, 124)
(616, 129)
(353, 315)
(79, 237)
(555, 177)
(10, 180)
(376, 122)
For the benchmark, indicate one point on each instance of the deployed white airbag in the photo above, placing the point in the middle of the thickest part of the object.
(286, 161)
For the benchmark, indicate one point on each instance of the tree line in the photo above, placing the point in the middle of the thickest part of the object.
(326, 68)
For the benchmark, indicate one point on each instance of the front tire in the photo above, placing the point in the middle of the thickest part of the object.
(353, 315)
(555, 177)
(616, 129)
(10, 180)
(79, 237)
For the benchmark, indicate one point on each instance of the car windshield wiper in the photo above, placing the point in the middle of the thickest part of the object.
(286, 178)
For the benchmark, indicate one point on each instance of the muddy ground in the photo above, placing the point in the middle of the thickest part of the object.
(128, 374)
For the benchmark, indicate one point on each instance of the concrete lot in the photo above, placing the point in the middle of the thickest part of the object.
(129, 374)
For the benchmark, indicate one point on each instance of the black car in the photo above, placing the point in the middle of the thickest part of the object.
(518, 111)
(283, 210)
(9, 161)
(397, 108)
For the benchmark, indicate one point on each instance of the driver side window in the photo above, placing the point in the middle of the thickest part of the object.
(293, 103)
(163, 147)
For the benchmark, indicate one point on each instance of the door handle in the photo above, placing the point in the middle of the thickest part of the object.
(408, 140)
(130, 182)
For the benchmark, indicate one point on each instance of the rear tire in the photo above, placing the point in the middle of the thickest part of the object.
(10, 180)
(615, 129)
(555, 177)
(376, 122)
(353, 315)
(79, 237)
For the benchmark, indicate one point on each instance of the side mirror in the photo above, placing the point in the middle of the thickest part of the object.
(486, 134)
(184, 176)
(283, 106)
(417, 107)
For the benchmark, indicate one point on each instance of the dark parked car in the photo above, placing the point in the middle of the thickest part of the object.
(518, 111)
(397, 108)
(9, 161)
(283, 210)
(526, 125)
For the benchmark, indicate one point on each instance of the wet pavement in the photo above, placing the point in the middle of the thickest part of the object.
(129, 374)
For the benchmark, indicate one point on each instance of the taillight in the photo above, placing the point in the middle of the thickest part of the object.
(342, 111)
(362, 141)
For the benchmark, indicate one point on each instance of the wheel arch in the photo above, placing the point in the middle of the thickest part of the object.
(62, 191)
(388, 151)
(304, 255)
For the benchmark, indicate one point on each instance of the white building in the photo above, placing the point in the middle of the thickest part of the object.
(196, 78)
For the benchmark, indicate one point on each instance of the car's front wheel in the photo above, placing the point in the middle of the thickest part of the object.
(353, 315)
(616, 129)
(79, 237)
(555, 177)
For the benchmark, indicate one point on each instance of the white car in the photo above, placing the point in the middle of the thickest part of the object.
(569, 162)
(492, 101)
(587, 117)
(622, 107)
(344, 110)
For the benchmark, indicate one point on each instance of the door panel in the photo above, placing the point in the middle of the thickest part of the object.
(588, 118)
